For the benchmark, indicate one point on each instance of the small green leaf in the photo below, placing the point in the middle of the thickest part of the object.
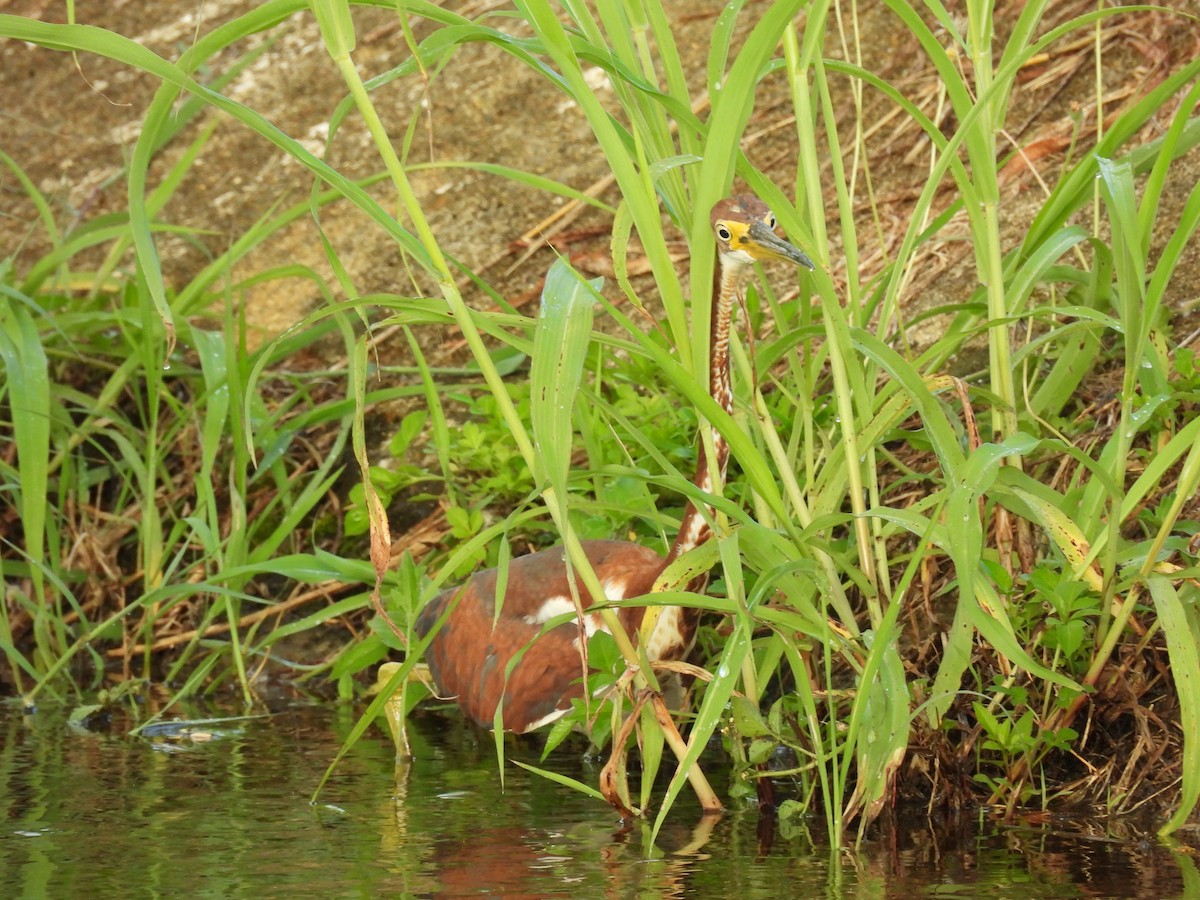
(747, 719)
(410, 426)
(760, 750)
(81, 714)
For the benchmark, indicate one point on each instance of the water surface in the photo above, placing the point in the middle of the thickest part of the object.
(223, 810)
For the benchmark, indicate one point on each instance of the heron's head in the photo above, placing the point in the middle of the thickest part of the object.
(744, 227)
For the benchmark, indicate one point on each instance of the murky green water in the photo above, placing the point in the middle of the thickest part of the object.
(92, 813)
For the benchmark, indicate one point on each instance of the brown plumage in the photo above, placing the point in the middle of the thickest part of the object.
(469, 656)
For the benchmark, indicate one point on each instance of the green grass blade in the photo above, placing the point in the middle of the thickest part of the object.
(28, 377)
(565, 780)
(560, 346)
(1177, 613)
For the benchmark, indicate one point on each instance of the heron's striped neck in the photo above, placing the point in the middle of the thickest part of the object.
(728, 279)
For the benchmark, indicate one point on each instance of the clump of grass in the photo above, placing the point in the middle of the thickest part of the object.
(159, 478)
(900, 550)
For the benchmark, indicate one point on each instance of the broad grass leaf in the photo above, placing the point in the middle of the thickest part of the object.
(1177, 612)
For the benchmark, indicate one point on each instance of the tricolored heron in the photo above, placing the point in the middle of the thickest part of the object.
(469, 656)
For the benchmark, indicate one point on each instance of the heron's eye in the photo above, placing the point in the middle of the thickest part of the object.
(723, 233)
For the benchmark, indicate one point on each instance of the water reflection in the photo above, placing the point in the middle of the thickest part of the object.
(224, 809)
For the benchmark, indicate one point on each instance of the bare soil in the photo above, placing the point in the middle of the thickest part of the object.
(72, 126)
